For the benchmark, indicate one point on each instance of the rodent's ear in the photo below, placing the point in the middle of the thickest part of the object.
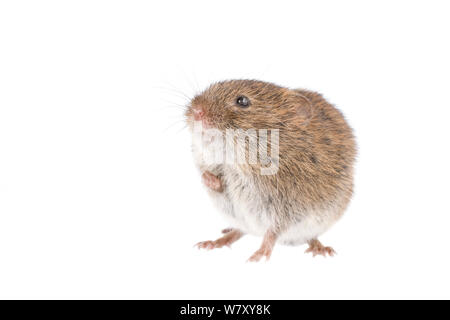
(301, 105)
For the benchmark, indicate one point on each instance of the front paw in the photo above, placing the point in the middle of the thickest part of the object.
(211, 181)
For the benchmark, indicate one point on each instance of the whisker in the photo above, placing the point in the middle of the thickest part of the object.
(174, 124)
(175, 90)
(177, 93)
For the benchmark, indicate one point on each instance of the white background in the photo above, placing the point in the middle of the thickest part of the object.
(99, 197)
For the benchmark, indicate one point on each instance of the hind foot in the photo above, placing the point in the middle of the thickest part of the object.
(229, 238)
(266, 248)
(319, 249)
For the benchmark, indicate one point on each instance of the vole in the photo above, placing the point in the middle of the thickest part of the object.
(311, 181)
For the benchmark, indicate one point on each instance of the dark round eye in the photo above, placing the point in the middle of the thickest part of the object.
(243, 101)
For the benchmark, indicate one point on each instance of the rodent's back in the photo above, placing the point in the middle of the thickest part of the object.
(316, 162)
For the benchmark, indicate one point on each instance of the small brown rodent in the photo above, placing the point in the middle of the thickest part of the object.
(313, 182)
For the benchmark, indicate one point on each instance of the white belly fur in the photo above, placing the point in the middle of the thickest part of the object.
(244, 210)
(244, 217)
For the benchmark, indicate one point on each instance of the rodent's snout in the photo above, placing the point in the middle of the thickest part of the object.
(198, 112)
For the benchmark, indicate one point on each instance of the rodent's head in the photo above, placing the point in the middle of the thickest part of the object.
(248, 104)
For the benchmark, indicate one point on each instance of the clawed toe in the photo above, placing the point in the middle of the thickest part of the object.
(316, 248)
(258, 255)
(323, 251)
(209, 245)
(230, 237)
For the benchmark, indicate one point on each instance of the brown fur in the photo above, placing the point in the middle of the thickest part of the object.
(317, 146)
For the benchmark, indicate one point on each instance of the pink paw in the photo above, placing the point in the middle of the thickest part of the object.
(211, 181)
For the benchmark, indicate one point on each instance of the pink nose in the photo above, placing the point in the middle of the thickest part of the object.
(198, 113)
